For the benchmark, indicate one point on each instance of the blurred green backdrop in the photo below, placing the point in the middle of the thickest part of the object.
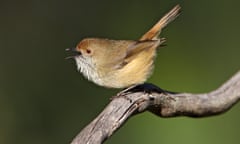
(44, 100)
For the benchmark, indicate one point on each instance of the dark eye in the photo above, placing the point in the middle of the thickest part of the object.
(88, 51)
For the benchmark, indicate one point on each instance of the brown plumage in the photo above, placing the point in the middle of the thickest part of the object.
(121, 63)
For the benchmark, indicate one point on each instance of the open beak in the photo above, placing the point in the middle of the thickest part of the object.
(74, 51)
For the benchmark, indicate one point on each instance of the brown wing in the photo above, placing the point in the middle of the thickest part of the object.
(135, 49)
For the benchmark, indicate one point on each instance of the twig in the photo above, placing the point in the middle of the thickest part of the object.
(160, 102)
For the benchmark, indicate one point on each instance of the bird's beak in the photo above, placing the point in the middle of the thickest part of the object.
(74, 50)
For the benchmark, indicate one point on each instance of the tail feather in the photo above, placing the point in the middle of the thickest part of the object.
(154, 32)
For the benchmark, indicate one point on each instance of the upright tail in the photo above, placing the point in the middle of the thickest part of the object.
(154, 32)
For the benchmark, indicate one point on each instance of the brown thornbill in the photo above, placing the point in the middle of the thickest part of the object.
(121, 63)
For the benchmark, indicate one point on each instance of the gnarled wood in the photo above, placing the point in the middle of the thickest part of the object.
(160, 102)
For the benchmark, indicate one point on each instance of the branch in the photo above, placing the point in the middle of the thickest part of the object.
(160, 102)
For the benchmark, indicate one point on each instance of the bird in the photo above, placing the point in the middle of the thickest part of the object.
(121, 63)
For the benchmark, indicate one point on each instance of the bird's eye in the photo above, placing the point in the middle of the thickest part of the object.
(88, 51)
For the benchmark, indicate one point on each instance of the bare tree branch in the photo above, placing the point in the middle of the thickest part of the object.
(160, 102)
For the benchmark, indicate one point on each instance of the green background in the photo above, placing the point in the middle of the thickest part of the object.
(44, 100)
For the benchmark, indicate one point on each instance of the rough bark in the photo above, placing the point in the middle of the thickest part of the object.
(148, 97)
